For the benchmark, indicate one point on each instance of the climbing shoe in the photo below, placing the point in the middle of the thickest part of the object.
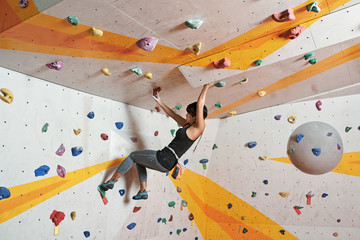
(108, 185)
(141, 195)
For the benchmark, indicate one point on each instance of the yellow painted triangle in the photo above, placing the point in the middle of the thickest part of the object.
(208, 201)
(349, 164)
(25, 196)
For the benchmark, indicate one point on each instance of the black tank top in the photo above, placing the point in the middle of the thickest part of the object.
(180, 144)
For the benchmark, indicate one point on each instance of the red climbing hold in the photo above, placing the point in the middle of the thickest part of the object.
(136, 209)
(294, 32)
(171, 218)
(57, 217)
(284, 16)
(156, 133)
(156, 90)
(104, 136)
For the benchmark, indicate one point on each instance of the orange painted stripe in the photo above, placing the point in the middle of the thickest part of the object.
(208, 201)
(348, 165)
(25, 196)
(313, 70)
(8, 17)
(22, 13)
(61, 38)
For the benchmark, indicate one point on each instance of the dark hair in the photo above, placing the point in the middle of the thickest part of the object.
(191, 109)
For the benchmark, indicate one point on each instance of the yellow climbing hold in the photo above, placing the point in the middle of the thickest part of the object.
(56, 230)
(148, 75)
(77, 132)
(261, 93)
(233, 113)
(243, 217)
(284, 194)
(73, 215)
(292, 119)
(8, 96)
(263, 157)
(96, 32)
(106, 71)
(195, 48)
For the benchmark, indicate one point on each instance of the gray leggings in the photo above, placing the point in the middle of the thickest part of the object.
(143, 159)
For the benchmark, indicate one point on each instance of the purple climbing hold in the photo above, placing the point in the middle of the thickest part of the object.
(61, 171)
(316, 151)
(41, 171)
(60, 150)
(76, 151)
(147, 43)
(329, 134)
(122, 192)
(131, 226)
(58, 65)
(91, 115)
(23, 3)
(87, 234)
(299, 137)
(277, 117)
(134, 139)
(4, 193)
(339, 220)
(318, 105)
(119, 125)
(338, 147)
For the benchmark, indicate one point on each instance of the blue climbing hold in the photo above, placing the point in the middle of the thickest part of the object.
(252, 144)
(186, 161)
(167, 173)
(265, 182)
(184, 229)
(159, 220)
(87, 234)
(4, 193)
(119, 125)
(91, 115)
(171, 233)
(229, 205)
(122, 192)
(196, 238)
(324, 195)
(204, 160)
(316, 151)
(75, 151)
(41, 171)
(299, 137)
(282, 232)
(131, 226)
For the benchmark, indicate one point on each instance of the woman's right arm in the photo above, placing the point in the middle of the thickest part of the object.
(180, 120)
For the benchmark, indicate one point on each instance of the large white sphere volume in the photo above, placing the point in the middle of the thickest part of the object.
(315, 148)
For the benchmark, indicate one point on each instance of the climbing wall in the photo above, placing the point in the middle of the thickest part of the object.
(252, 178)
(42, 118)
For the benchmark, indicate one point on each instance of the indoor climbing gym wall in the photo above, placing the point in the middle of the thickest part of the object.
(61, 144)
(269, 197)
(279, 158)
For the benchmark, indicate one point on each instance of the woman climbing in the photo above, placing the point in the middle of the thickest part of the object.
(166, 159)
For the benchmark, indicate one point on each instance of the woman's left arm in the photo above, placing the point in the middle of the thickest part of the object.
(198, 128)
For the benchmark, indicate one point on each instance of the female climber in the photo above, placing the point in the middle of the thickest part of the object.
(166, 159)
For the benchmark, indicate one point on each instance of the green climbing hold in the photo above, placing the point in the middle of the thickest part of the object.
(73, 20)
(347, 129)
(313, 7)
(194, 23)
(178, 107)
(214, 147)
(163, 220)
(245, 230)
(184, 203)
(172, 204)
(292, 151)
(298, 207)
(218, 105)
(253, 194)
(136, 70)
(178, 231)
(172, 132)
(220, 84)
(258, 62)
(45, 127)
(309, 55)
(312, 61)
